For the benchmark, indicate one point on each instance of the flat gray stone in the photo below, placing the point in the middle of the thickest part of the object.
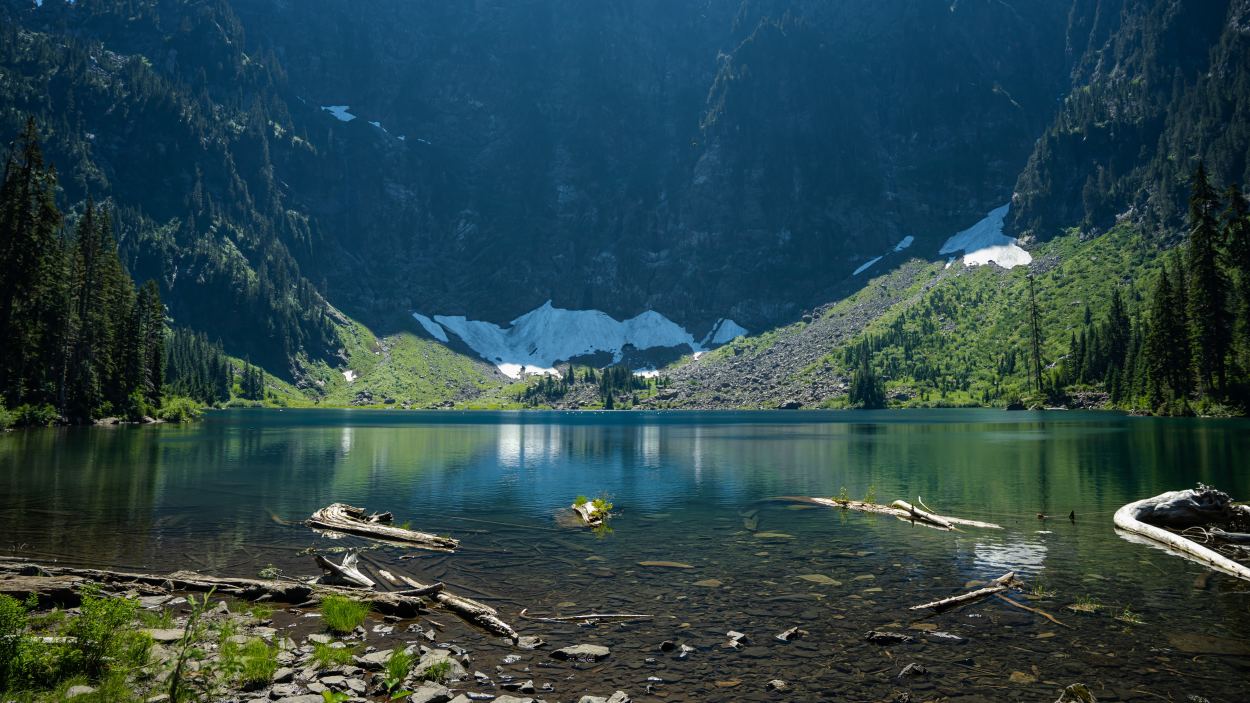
(374, 661)
(307, 698)
(75, 691)
(583, 653)
(430, 692)
(512, 699)
(284, 675)
(168, 635)
(320, 638)
(434, 656)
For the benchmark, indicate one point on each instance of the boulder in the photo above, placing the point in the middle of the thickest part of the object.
(582, 653)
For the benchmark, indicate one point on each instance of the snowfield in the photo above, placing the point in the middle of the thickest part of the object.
(340, 112)
(866, 265)
(536, 341)
(433, 328)
(904, 243)
(985, 242)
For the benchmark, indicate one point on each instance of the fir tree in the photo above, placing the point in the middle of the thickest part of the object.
(1206, 286)
(866, 390)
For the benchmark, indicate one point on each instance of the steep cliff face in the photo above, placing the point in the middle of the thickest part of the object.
(1156, 87)
(705, 160)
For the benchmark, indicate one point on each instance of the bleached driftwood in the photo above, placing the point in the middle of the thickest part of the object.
(347, 519)
(59, 579)
(477, 613)
(585, 616)
(900, 509)
(345, 574)
(1144, 521)
(998, 585)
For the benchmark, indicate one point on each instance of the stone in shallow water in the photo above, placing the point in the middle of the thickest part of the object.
(821, 579)
(665, 564)
(708, 583)
(773, 535)
(583, 652)
(430, 692)
(374, 661)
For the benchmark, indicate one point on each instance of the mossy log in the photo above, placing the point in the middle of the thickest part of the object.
(350, 520)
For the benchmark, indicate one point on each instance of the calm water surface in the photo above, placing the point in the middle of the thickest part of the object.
(225, 496)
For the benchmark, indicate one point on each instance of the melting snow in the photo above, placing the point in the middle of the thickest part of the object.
(865, 266)
(647, 373)
(985, 242)
(904, 243)
(435, 330)
(534, 342)
(340, 112)
(349, 375)
(723, 332)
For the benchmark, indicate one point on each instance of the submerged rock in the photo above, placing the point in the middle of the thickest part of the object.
(583, 653)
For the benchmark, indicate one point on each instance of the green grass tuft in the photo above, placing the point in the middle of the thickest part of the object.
(342, 614)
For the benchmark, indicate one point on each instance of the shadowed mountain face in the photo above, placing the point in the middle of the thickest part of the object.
(702, 159)
(719, 159)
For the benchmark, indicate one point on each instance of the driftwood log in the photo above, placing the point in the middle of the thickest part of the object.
(1144, 521)
(998, 585)
(900, 509)
(477, 613)
(53, 581)
(347, 519)
(345, 574)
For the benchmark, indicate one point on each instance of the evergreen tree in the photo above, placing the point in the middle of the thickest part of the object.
(1035, 334)
(1167, 352)
(1237, 246)
(1207, 286)
(866, 389)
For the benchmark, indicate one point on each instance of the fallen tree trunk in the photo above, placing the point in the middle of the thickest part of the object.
(1141, 520)
(477, 613)
(998, 585)
(347, 519)
(403, 604)
(900, 509)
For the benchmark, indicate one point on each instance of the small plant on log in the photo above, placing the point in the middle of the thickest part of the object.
(1127, 615)
(843, 497)
(871, 496)
(342, 614)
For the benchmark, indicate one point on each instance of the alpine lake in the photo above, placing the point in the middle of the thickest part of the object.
(702, 539)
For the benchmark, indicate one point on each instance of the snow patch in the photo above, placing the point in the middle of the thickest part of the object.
(865, 266)
(340, 112)
(723, 332)
(434, 329)
(349, 375)
(647, 373)
(904, 243)
(534, 342)
(985, 242)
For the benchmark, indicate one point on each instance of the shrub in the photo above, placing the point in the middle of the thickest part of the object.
(179, 409)
(12, 632)
(342, 614)
(7, 419)
(35, 416)
(99, 633)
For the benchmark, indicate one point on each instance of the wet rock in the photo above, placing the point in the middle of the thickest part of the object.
(373, 661)
(736, 639)
(583, 653)
(618, 697)
(512, 699)
(431, 692)
(778, 685)
(881, 637)
(913, 669)
(685, 651)
(530, 642)
(792, 633)
(305, 698)
(1078, 693)
(519, 686)
(320, 638)
(435, 656)
(76, 691)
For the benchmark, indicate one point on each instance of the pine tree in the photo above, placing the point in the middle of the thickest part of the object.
(1035, 334)
(866, 390)
(1207, 287)
(1237, 246)
(1167, 353)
